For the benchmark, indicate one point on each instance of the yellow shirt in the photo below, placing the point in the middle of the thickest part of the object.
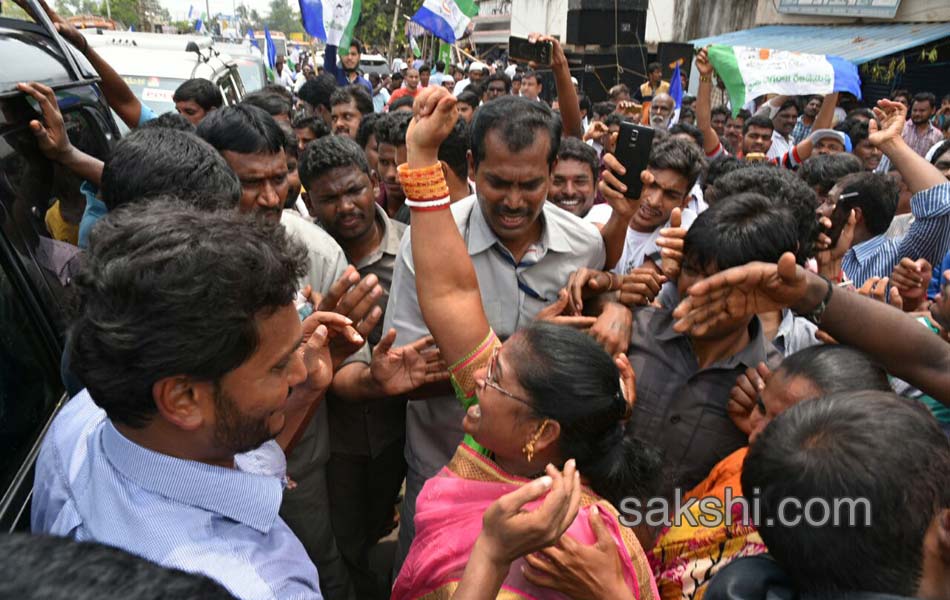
(59, 228)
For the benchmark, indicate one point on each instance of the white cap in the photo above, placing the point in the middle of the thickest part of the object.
(511, 69)
(399, 64)
(478, 66)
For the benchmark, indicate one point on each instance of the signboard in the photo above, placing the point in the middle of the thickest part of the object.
(875, 9)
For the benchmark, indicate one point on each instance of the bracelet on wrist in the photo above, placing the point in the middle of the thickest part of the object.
(705, 78)
(426, 184)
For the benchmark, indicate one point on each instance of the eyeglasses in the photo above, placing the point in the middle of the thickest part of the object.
(489, 378)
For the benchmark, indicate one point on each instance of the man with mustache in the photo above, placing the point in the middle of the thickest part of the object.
(523, 250)
(661, 111)
(574, 178)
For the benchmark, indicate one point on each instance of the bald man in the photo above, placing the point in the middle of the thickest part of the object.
(410, 86)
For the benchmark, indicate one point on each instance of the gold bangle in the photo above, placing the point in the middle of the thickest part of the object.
(424, 184)
(705, 78)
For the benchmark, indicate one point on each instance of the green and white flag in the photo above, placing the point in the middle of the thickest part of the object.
(339, 20)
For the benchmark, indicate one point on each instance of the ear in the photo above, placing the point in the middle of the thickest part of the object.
(374, 182)
(471, 163)
(858, 215)
(549, 436)
(182, 401)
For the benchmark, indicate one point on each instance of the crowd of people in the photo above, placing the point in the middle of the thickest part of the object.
(423, 308)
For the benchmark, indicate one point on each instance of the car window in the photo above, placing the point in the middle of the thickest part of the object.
(41, 203)
(229, 89)
(30, 388)
(252, 74)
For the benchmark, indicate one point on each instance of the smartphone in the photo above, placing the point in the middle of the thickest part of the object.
(521, 49)
(634, 143)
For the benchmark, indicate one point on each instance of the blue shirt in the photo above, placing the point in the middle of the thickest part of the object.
(329, 65)
(94, 484)
(937, 281)
(928, 237)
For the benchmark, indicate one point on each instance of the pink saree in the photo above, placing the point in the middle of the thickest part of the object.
(449, 518)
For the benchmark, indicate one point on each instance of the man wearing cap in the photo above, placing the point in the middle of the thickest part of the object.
(476, 72)
(829, 141)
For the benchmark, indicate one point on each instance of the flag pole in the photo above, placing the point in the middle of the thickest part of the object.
(392, 33)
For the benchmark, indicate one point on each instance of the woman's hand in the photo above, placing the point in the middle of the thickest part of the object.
(434, 116)
(581, 571)
(509, 532)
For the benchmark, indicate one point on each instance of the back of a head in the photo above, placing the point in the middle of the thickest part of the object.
(356, 94)
(739, 229)
(782, 186)
(454, 150)
(38, 567)
(871, 471)
(834, 368)
(602, 109)
(367, 128)
(318, 90)
(200, 91)
(875, 194)
(146, 289)
(680, 156)
(242, 128)
(400, 103)
(170, 120)
(317, 126)
(518, 121)
(825, 170)
(572, 380)
(328, 153)
(391, 128)
(273, 104)
(690, 130)
(158, 161)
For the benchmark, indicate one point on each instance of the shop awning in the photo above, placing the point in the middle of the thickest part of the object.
(857, 43)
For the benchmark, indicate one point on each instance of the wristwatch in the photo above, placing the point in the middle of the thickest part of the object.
(818, 312)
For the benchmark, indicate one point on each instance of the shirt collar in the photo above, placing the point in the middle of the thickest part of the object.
(553, 238)
(253, 500)
(753, 353)
(388, 244)
(868, 248)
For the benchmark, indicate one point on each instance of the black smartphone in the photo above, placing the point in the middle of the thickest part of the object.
(521, 49)
(633, 151)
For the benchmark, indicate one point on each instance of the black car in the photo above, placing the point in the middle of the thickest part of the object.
(35, 269)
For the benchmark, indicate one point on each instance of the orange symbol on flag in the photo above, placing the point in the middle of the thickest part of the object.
(763, 53)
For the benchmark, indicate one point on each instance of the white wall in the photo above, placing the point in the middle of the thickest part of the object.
(660, 21)
(544, 16)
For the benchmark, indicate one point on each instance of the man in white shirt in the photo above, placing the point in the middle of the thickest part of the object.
(284, 76)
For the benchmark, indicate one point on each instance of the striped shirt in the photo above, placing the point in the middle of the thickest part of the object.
(928, 237)
(94, 484)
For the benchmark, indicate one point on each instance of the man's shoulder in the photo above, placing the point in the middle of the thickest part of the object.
(582, 235)
(309, 234)
(74, 423)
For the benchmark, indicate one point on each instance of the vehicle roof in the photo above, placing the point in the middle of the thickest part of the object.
(140, 39)
(29, 56)
(173, 64)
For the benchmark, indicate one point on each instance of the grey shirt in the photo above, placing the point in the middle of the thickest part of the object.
(367, 428)
(680, 408)
(511, 294)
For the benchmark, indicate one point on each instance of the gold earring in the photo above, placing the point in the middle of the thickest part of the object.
(528, 449)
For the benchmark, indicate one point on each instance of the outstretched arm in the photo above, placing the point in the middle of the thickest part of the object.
(446, 283)
(917, 172)
(897, 340)
(566, 94)
(704, 103)
(117, 92)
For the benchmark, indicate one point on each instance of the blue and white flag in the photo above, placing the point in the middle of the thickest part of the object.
(332, 21)
(199, 25)
(676, 86)
(271, 48)
(446, 19)
(250, 34)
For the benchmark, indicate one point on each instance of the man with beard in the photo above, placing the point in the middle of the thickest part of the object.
(523, 249)
(346, 73)
(732, 130)
(661, 111)
(391, 152)
(184, 373)
(367, 466)
(348, 106)
(918, 132)
(574, 178)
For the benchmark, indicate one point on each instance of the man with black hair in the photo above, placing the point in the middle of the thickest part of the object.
(391, 147)
(783, 111)
(347, 73)
(516, 84)
(873, 200)
(195, 98)
(498, 85)
(822, 172)
(171, 120)
(403, 104)
(684, 382)
(719, 115)
(308, 129)
(574, 177)
(40, 567)
(348, 106)
(897, 545)
(858, 132)
(292, 153)
(919, 133)
(583, 102)
(468, 103)
(732, 131)
(523, 250)
(156, 445)
(439, 75)
(653, 85)
(531, 86)
(317, 93)
(411, 87)
(275, 105)
(367, 437)
(806, 121)
(366, 139)
(425, 72)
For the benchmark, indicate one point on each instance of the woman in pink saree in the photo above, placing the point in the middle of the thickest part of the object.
(548, 394)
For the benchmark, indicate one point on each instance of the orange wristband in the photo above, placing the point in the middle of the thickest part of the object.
(425, 184)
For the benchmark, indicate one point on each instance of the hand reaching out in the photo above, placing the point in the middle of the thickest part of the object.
(911, 278)
(876, 288)
(403, 369)
(51, 136)
(671, 243)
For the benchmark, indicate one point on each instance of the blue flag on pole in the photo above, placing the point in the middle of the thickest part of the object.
(191, 8)
(676, 86)
(311, 13)
(250, 33)
(271, 48)
(199, 25)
